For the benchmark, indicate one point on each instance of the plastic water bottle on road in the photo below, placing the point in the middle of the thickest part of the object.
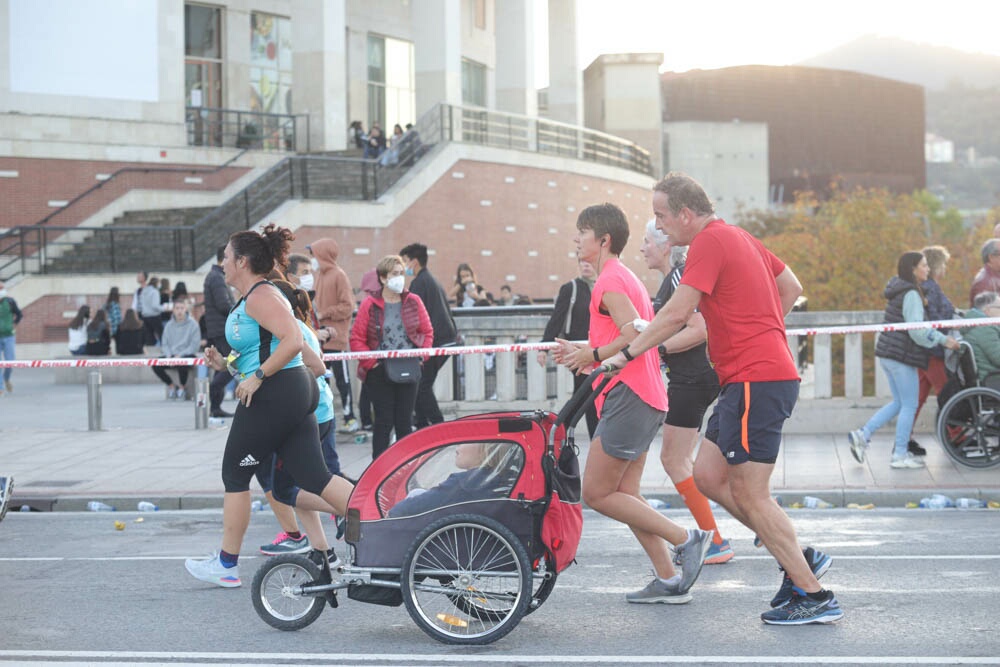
(969, 503)
(936, 502)
(98, 506)
(814, 503)
(146, 506)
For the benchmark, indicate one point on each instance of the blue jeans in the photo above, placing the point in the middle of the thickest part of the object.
(905, 385)
(7, 344)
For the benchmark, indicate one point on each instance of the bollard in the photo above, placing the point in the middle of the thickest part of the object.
(94, 401)
(201, 403)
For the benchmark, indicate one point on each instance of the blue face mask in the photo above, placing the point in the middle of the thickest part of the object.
(409, 271)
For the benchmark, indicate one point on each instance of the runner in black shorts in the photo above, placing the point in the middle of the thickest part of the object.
(277, 395)
(692, 386)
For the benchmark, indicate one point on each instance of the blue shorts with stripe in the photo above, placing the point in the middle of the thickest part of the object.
(746, 423)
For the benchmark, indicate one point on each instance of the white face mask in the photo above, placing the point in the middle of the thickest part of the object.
(3, 293)
(306, 282)
(396, 284)
(314, 263)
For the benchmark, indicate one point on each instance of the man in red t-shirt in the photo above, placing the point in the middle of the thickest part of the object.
(743, 291)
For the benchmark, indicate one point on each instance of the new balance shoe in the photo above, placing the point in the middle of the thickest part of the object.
(214, 572)
(283, 544)
(818, 562)
(802, 610)
(859, 444)
(6, 491)
(719, 553)
(907, 461)
(659, 592)
(692, 556)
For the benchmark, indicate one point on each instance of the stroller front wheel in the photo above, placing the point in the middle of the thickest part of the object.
(275, 592)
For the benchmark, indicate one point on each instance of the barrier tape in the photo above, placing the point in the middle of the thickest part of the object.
(480, 349)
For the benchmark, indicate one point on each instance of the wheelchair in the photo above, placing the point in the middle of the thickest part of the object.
(968, 423)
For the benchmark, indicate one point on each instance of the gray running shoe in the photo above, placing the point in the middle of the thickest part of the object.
(692, 556)
(859, 445)
(658, 592)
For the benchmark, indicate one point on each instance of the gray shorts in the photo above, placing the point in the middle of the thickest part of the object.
(628, 424)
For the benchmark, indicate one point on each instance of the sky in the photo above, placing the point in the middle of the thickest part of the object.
(709, 34)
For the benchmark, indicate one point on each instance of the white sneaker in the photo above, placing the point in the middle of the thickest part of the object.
(214, 572)
(907, 461)
(859, 445)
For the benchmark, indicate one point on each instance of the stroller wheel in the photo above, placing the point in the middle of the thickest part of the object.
(275, 592)
(466, 580)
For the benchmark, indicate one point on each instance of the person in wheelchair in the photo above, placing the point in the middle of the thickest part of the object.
(480, 477)
(985, 340)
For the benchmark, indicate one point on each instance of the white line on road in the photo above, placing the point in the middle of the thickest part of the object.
(322, 659)
(836, 557)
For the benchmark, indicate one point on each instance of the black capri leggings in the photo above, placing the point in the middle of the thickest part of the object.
(279, 420)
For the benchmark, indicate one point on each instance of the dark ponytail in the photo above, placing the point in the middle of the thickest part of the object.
(265, 250)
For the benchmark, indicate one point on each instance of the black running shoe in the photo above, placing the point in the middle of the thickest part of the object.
(914, 448)
(819, 563)
(802, 609)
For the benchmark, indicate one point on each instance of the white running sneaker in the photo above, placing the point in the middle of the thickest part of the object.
(859, 445)
(214, 572)
(908, 461)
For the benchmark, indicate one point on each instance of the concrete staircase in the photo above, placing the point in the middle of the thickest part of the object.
(149, 240)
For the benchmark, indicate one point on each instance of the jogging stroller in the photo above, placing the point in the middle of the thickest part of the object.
(467, 523)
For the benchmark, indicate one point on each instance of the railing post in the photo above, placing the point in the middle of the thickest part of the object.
(246, 207)
(822, 366)
(853, 367)
(111, 237)
(537, 377)
(94, 400)
(291, 177)
(364, 181)
(506, 369)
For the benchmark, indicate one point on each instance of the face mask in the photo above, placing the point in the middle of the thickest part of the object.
(314, 263)
(3, 293)
(306, 282)
(409, 270)
(396, 284)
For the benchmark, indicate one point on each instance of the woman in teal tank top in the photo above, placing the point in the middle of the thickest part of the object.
(277, 395)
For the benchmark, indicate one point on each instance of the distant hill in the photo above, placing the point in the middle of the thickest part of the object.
(933, 67)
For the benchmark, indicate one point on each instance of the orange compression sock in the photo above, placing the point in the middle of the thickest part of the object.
(698, 504)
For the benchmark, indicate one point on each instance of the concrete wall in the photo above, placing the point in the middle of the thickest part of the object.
(729, 159)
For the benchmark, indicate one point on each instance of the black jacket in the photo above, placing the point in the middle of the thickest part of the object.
(218, 302)
(897, 345)
(432, 294)
(580, 319)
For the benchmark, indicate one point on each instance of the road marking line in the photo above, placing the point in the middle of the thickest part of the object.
(740, 558)
(325, 658)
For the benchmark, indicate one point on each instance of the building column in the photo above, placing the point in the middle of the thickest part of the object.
(565, 77)
(319, 41)
(515, 40)
(437, 53)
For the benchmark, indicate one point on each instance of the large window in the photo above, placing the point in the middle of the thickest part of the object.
(270, 63)
(391, 90)
(203, 70)
(473, 83)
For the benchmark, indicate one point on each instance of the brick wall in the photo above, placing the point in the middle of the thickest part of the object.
(24, 199)
(522, 218)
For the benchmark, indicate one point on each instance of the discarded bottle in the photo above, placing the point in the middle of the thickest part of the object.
(146, 506)
(937, 502)
(969, 503)
(256, 506)
(814, 503)
(98, 506)
(658, 504)
(216, 422)
(25, 508)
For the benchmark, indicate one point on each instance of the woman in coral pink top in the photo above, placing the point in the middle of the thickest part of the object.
(631, 410)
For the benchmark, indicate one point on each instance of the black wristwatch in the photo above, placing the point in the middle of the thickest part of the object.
(259, 374)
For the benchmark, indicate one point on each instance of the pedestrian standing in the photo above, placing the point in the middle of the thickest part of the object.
(10, 316)
(218, 302)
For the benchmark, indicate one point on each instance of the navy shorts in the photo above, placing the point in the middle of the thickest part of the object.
(747, 420)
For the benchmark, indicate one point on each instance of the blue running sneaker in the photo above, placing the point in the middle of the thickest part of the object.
(719, 553)
(802, 610)
(819, 563)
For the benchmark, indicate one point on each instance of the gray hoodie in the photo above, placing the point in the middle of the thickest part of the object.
(180, 339)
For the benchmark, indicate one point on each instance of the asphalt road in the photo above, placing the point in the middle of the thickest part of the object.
(917, 587)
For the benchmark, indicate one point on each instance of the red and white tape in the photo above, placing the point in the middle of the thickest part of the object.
(480, 349)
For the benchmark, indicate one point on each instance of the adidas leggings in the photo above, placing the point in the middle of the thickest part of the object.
(279, 420)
